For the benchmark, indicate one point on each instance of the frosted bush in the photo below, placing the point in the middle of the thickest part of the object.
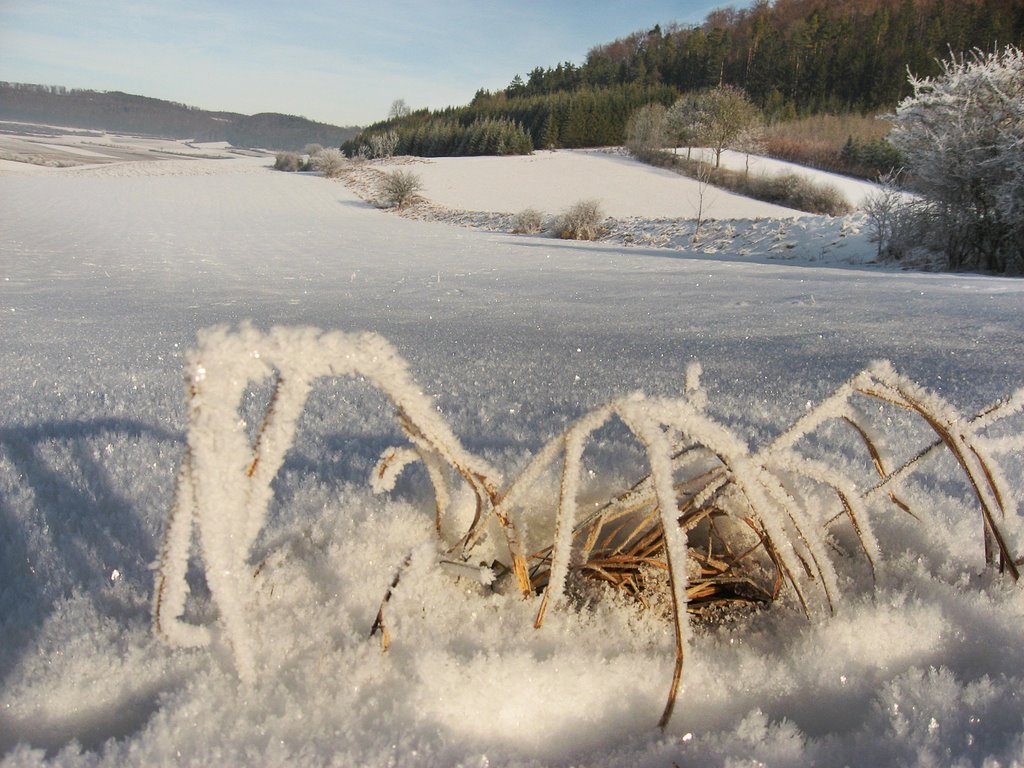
(329, 162)
(645, 130)
(962, 135)
(383, 145)
(528, 221)
(801, 193)
(582, 221)
(288, 161)
(400, 188)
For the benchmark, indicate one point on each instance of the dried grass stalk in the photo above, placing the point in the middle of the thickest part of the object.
(711, 526)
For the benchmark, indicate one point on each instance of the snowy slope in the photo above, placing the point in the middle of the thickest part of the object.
(106, 276)
(551, 181)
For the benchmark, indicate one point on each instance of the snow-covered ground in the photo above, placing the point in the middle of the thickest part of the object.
(553, 180)
(550, 181)
(108, 273)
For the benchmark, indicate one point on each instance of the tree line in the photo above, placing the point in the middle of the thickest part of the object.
(586, 117)
(796, 56)
(790, 57)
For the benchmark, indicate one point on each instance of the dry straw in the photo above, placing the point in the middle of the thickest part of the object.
(712, 523)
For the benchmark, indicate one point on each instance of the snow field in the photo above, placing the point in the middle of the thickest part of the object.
(105, 281)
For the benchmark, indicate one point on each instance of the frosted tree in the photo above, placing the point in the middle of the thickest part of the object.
(645, 131)
(684, 123)
(723, 115)
(962, 134)
(382, 145)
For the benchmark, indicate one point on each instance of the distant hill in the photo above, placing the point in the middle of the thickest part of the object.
(126, 113)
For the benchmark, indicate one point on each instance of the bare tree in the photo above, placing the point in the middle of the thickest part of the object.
(703, 179)
(399, 109)
(383, 144)
(750, 141)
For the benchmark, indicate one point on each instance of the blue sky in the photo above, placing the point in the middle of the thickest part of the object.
(339, 62)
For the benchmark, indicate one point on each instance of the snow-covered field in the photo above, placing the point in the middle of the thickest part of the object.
(107, 273)
(552, 180)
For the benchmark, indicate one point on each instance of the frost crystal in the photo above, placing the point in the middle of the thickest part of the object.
(700, 474)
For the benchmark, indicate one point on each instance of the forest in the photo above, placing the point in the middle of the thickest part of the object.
(793, 58)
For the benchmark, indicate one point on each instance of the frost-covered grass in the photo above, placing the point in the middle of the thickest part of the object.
(701, 479)
(106, 277)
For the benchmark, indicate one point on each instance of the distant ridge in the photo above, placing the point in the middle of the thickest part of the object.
(119, 112)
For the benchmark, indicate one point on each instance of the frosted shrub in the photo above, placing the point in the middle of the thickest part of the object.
(801, 193)
(528, 221)
(329, 162)
(726, 524)
(383, 145)
(288, 161)
(400, 188)
(901, 225)
(962, 136)
(580, 222)
(645, 130)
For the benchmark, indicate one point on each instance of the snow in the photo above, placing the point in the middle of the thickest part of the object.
(70, 149)
(854, 190)
(551, 181)
(108, 274)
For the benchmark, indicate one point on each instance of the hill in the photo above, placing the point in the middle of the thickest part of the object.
(128, 113)
(800, 56)
(792, 57)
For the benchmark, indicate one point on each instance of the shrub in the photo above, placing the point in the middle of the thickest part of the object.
(798, 192)
(382, 145)
(871, 159)
(528, 221)
(329, 162)
(904, 227)
(580, 222)
(851, 144)
(884, 208)
(399, 188)
(288, 161)
(645, 131)
(790, 190)
(962, 134)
